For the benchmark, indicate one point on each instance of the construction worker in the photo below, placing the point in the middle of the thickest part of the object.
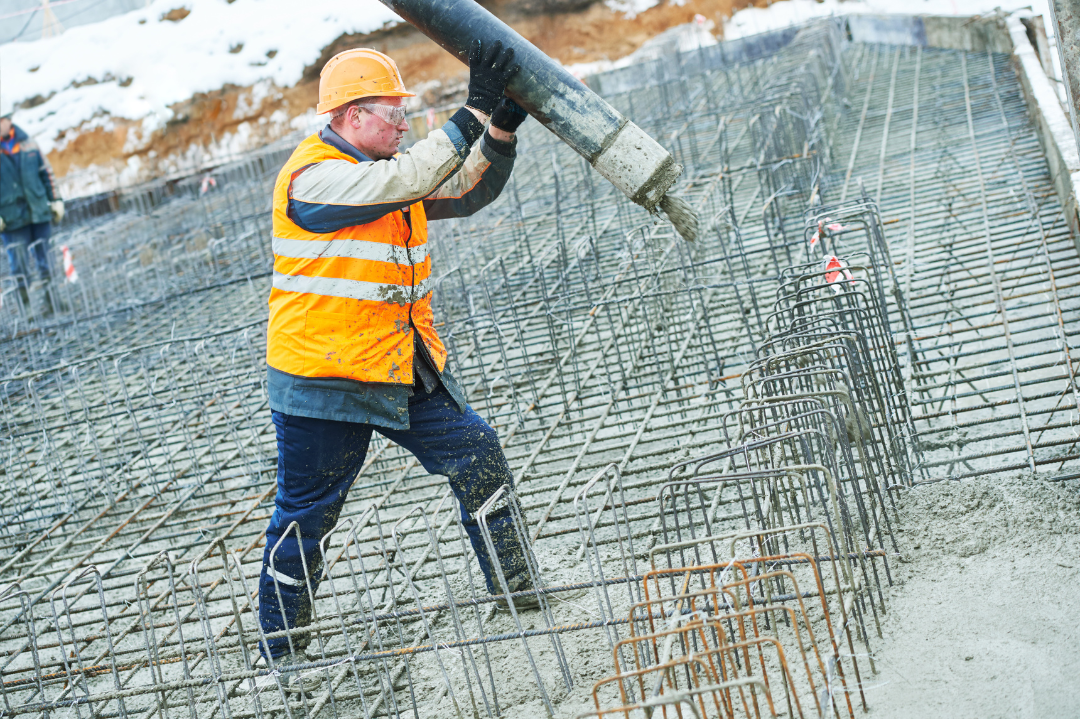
(352, 346)
(29, 203)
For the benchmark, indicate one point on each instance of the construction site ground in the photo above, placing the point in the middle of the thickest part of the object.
(965, 636)
(622, 367)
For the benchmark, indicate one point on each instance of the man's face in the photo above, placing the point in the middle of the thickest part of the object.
(378, 137)
(5, 126)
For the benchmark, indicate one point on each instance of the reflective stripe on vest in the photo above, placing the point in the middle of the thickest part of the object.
(345, 288)
(349, 303)
(356, 249)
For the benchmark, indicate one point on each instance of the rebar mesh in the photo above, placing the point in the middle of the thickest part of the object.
(882, 294)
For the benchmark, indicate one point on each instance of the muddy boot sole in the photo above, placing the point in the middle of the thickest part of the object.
(297, 682)
(529, 601)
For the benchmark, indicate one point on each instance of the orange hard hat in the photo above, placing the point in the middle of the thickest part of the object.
(355, 74)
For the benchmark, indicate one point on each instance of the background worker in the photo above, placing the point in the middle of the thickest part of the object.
(29, 203)
(351, 346)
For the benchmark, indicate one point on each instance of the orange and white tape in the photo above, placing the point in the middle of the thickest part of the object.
(836, 272)
(816, 237)
(70, 272)
(823, 225)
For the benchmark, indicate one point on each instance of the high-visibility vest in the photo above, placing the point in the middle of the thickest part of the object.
(349, 303)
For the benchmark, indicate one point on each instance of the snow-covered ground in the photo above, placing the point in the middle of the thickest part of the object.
(792, 12)
(136, 65)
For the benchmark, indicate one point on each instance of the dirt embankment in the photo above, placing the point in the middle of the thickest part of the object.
(200, 122)
(572, 31)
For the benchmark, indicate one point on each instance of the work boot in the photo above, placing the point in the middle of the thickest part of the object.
(313, 650)
(28, 306)
(53, 300)
(297, 681)
(47, 309)
(40, 289)
(519, 583)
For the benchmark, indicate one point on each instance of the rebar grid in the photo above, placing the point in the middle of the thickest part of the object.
(988, 263)
(140, 459)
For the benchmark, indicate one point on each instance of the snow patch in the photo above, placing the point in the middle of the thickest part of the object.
(631, 8)
(779, 15)
(250, 101)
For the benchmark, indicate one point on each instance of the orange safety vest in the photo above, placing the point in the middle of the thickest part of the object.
(349, 303)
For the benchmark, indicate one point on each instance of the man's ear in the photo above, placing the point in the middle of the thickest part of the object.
(352, 116)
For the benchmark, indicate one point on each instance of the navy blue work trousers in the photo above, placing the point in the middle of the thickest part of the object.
(317, 463)
(33, 239)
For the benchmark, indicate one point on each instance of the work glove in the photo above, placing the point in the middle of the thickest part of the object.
(490, 68)
(2, 224)
(508, 115)
(56, 207)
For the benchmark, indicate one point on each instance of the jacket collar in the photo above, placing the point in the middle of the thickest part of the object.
(10, 143)
(16, 133)
(331, 138)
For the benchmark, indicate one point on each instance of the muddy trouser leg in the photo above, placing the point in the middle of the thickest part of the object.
(464, 448)
(39, 248)
(317, 462)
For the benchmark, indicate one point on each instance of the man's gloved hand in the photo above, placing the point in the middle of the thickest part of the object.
(508, 115)
(57, 209)
(490, 69)
(2, 224)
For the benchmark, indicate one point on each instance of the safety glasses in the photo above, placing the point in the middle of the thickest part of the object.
(392, 114)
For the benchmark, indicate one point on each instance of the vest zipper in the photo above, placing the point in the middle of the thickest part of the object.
(406, 215)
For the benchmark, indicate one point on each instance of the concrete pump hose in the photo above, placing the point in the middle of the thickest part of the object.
(616, 148)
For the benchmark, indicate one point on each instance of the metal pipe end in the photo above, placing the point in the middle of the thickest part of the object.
(638, 165)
